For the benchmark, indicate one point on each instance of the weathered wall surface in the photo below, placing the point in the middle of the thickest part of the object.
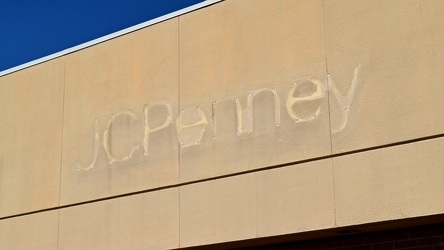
(30, 138)
(244, 119)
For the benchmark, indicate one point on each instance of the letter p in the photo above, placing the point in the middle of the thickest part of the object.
(148, 129)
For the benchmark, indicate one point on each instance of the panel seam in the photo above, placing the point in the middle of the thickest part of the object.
(178, 109)
(288, 164)
(61, 149)
(329, 111)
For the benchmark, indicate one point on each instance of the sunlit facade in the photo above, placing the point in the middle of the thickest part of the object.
(308, 123)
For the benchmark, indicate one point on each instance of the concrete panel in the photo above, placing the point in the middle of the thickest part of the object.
(91, 226)
(399, 46)
(145, 221)
(31, 111)
(280, 201)
(295, 199)
(150, 221)
(36, 231)
(240, 51)
(392, 183)
(218, 211)
(120, 99)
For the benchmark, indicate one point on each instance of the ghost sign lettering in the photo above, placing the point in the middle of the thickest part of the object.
(244, 117)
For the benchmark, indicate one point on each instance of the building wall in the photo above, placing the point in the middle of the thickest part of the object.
(242, 120)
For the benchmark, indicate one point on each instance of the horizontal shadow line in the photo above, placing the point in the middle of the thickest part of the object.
(420, 139)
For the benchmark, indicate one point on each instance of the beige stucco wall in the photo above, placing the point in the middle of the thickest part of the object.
(193, 110)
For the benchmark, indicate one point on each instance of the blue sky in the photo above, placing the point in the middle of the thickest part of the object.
(31, 29)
